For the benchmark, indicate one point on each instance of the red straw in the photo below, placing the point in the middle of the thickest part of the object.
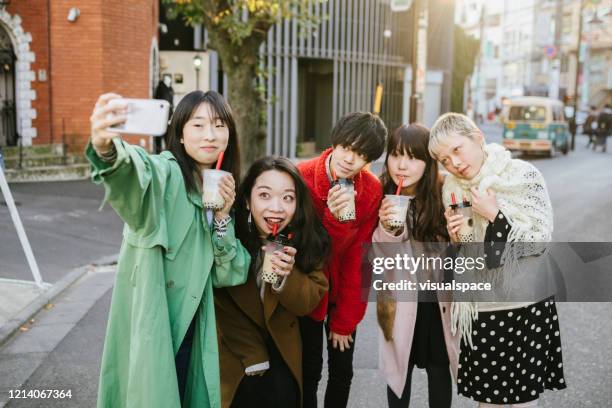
(274, 229)
(453, 199)
(219, 161)
(399, 186)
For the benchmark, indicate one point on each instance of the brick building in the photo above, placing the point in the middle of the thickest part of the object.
(57, 56)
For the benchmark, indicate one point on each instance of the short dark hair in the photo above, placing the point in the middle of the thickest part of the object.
(309, 236)
(363, 132)
(183, 112)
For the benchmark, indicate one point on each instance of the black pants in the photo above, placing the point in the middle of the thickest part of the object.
(181, 360)
(276, 388)
(439, 386)
(340, 366)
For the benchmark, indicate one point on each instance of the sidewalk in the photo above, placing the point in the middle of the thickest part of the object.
(25, 350)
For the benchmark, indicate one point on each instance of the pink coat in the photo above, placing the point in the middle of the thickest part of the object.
(394, 354)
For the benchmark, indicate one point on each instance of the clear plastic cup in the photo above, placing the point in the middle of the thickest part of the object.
(347, 213)
(211, 197)
(466, 231)
(401, 204)
(267, 274)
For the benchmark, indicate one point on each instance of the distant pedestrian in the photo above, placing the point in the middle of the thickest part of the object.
(589, 127)
(604, 127)
(165, 92)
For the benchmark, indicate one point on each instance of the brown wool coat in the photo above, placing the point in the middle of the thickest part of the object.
(244, 321)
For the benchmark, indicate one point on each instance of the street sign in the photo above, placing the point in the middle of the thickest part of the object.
(401, 5)
(550, 51)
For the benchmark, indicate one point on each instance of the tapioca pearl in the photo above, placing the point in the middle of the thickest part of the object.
(492, 332)
(510, 314)
(557, 333)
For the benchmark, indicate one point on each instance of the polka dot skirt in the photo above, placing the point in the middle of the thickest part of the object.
(516, 355)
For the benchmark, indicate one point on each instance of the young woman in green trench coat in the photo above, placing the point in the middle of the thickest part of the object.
(161, 345)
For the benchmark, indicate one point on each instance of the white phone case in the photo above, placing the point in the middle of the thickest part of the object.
(144, 117)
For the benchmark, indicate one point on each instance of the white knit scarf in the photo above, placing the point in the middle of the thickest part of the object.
(522, 197)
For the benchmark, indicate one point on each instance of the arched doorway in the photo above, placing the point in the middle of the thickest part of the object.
(8, 116)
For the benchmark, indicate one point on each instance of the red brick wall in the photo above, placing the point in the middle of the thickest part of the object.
(106, 49)
(34, 16)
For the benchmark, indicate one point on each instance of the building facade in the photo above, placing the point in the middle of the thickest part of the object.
(59, 56)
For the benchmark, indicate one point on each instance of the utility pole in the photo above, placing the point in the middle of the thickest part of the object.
(419, 59)
(553, 91)
(578, 72)
(477, 93)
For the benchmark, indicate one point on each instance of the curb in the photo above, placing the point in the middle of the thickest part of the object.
(10, 327)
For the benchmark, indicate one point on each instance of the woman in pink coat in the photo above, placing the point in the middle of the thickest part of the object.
(415, 326)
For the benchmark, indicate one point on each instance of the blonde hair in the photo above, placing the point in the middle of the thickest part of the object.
(448, 125)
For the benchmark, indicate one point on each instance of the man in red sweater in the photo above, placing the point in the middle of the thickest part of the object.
(357, 139)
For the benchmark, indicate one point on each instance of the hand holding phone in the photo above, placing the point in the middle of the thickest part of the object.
(101, 138)
(142, 116)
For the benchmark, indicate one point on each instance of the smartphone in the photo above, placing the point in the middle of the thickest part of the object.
(144, 116)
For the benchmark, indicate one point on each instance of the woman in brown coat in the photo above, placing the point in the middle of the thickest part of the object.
(260, 347)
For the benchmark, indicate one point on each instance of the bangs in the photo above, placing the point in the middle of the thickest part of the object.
(410, 140)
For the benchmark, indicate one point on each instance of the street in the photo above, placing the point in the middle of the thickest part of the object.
(63, 347)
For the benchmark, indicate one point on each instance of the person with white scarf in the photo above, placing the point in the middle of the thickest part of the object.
(510, 351)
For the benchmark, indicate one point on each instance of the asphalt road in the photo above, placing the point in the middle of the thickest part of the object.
(70, 232)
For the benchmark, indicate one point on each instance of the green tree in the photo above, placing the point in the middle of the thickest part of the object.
(236, 29)
(464, 59)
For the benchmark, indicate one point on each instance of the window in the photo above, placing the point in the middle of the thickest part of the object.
(531, 113)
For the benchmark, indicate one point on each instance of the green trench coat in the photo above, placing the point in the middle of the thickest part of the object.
(168, 265)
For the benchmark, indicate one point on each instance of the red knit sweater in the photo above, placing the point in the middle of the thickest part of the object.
(344, 300)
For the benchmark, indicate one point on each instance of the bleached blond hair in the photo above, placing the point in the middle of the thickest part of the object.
(448, 125)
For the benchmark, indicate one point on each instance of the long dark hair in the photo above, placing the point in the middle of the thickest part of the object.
(184, 111)
(309, 236)
(427, 210)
